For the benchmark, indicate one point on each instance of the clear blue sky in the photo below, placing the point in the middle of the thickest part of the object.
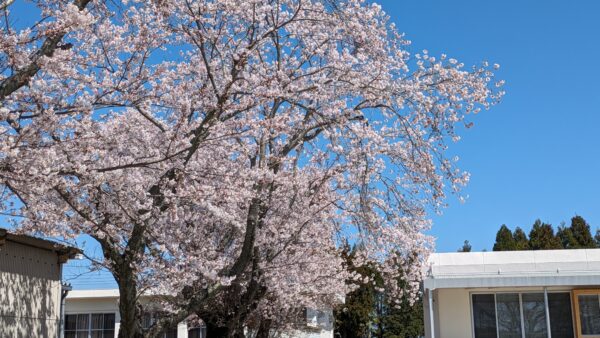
(536, 154)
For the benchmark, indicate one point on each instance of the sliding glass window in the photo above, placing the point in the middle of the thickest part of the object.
(534, 315)
(561, 317)
(522, 315)
(484, 316)
(509, 315)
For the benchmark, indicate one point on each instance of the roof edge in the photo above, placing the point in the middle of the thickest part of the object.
(64, 252)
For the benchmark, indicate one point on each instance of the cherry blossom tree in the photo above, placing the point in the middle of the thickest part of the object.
(220, 151)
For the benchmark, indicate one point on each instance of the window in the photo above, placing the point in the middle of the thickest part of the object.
(509, 315)
(90, 325)
(319, 318)
(197, 332)
(522, 315)
(484, 316)
(149, 318)
(561, 317)
(587, 312)
(534, 315)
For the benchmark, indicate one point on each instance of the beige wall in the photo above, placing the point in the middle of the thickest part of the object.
(29, 291)
(453, 313)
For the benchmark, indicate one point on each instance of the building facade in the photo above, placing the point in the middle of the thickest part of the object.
(30, 285)
(95, 313)
(515, 294)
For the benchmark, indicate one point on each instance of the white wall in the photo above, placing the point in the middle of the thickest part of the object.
(107, 305)
(94, 302)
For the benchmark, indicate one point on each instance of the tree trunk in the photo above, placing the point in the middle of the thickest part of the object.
(264, 329)
(213, 330)
(130, 313)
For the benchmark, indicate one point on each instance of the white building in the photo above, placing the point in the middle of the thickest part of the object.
(96, 313)
(514, 294)
(30, 285)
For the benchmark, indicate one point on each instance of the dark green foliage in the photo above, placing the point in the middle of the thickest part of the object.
(369, 313)
(504, 240)
(405, 321)
(521, 241)
(581, 232)
(466, 247)
(353, 318)
(566, 237)
(542, 237)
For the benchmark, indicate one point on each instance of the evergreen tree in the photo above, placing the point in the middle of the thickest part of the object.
(504, 240)
(542, 237)
(581, 232)
(466, 247)
(521, 241)
(404, 320)
(566, 237)
(353, 319)
(398, 318)
(597, 237)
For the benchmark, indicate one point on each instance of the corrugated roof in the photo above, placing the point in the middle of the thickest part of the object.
(63, 251)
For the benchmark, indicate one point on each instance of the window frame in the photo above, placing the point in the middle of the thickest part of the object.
(575, 304)
(570, 292)
(89, 329)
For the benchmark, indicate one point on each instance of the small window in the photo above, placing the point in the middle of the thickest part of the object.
(197, 332)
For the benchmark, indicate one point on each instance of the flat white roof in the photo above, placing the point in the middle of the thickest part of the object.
(89, 294)
(580, 267)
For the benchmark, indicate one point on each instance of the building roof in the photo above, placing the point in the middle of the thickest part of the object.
(580, 267)
(103, 293)
(64, 252)
(90, 294)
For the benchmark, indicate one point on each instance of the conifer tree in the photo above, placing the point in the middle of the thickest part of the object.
(370, 311)
(405, 320)
(466, 247)
(504, 240)
(566, 237)
(521, 241)
(542, 237)
(353, 319)
(581, 233)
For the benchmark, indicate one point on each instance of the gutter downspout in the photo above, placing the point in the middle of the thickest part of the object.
(65, 288)
(431, 318)
(547, 312)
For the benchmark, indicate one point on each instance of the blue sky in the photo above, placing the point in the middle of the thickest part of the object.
(536, 154)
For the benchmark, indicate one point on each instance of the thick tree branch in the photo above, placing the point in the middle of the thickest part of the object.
(22, 76)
